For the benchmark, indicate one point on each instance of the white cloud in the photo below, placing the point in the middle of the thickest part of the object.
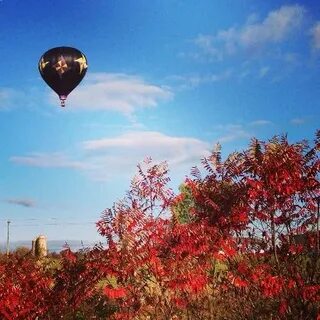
(274, 28)
(298, 121)
(233, 136)
(193, 81)
(259, 123)
(277, 26)
(49, 160)
(207, 44)
(8, 98)
(117, 92)
(143, 139)
(230, 132)
(130, 148)
(104, 158)
(28, 98)
(100, 91)
(315, 33)
(4, 97)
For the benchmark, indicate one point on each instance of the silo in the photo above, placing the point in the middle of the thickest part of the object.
(41, 246)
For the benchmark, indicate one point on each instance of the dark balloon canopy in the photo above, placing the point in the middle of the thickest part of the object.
(63, 68)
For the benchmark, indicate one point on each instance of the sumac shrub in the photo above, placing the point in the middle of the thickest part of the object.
(239, 241)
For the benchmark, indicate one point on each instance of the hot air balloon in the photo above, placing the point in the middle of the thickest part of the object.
(63, 68)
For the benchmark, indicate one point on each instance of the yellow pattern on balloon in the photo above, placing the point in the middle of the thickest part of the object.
(82, 63)
(61, 66)
(43, 64)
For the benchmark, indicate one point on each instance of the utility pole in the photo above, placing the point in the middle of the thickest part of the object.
(8, 236)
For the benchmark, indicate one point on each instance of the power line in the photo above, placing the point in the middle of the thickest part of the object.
(53, 224)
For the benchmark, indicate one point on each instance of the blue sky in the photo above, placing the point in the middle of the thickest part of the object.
(166, 79)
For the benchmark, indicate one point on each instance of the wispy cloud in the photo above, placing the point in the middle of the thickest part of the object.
(263, 71)
(298, 121)
(275, 28)
(28, 98)
(315, 33)
(27, 203)
(120, 154)
(254, 35)
(49, 160)
(10, 98)
(193, 81)
(103, 158)
(117, 92)
(230, 133)
(234, 135)
(5, 97)
(259, 123)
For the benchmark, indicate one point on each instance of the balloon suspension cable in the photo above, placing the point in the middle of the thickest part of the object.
(63, 101)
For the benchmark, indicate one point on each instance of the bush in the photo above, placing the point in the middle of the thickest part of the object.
(226, 247)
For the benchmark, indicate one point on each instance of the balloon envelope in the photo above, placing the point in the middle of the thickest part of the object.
(63, 68)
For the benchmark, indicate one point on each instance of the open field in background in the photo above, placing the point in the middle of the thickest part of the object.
(53, 245)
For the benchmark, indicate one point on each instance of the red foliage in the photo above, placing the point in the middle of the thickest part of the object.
(23, 289)
(115, 293)
(245, 248)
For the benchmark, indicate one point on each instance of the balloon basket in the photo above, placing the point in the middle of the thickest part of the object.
(63, 102)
